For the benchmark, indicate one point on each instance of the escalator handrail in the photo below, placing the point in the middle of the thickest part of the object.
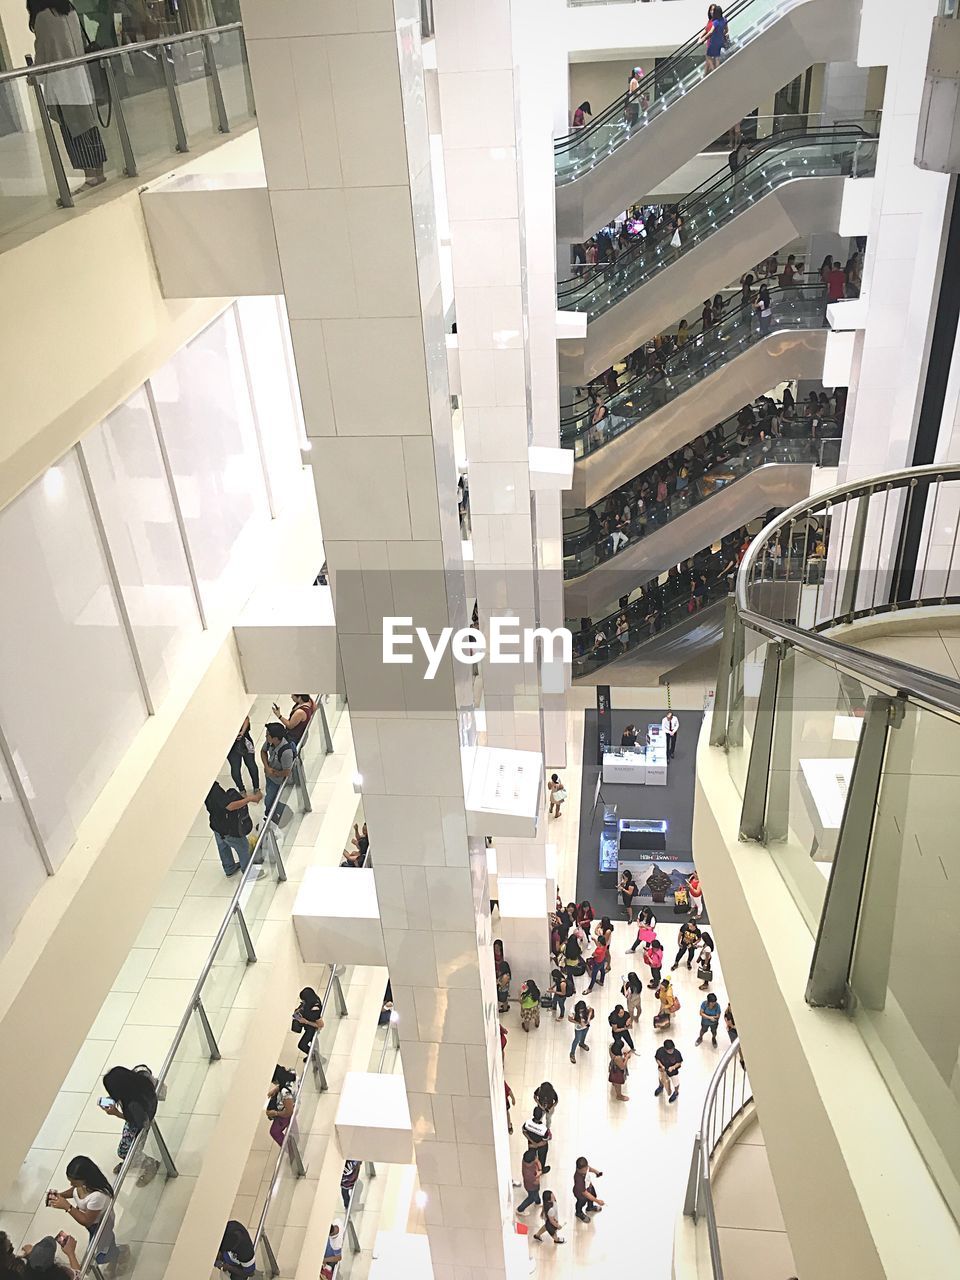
(659, 73)
(712, 186)
(810, 280)
(694, 332)
(806, 443)
(717, 588)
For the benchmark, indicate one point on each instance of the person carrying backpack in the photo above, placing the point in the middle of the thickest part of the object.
(231, 823)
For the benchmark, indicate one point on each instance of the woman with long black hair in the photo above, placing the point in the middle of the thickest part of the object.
(132, 1098)
(88, 1200)
(69, 95)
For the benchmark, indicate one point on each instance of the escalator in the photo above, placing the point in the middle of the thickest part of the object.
(665, 624)
(608, 558)
(639, 140)
(792, 187)
(719, 369)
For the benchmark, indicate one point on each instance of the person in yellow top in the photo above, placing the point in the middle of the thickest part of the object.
(668, 1004)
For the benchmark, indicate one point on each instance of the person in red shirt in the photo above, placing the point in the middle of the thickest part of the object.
(836, 283)
(598, 965)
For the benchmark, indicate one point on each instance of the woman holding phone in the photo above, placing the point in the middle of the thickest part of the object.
(132, 1097)
(88, 1200)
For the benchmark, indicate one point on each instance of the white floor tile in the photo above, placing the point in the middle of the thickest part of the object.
(113, 1014)
(155, 926)
(175, 885)
(161, 1002)
(134, 969)
(180, 957)
(88, 1066)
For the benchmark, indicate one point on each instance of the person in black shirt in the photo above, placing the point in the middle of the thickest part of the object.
(619, 1021)
(669, 1061)
(231, 823)
(308, 1018)
(629, 736)
(235, 1255)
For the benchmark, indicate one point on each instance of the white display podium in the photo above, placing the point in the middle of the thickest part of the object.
(642, 765)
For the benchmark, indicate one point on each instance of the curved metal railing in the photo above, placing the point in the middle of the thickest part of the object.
(845, 759)
(858, 524)
(728, 1095)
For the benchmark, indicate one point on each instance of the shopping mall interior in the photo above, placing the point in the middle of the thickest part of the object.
(566, 394)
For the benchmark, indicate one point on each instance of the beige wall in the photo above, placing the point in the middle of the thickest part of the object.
(850, 1179)
(76, 933)
(600, 82)
(82, 325)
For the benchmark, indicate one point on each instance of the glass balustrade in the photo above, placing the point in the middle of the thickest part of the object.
(707, 350)
(582, 149)
(845, 759)
(820, 153)
(606, 538)
(145, 1219)
(278, 1234)
(115, 114)
(363, 1208)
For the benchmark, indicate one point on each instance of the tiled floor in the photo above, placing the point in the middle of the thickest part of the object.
(139, 1016)
(753, 1239)
(643, 1146)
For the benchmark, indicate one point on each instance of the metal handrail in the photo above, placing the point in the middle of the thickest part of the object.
(658, 515)
(699, 1197)
(194, 1005)
(572, 412)
(890, 675)
(707, 353)
(708, 190)
(349, 1230)
(311, 1065)
(42, 68)
(690, 46)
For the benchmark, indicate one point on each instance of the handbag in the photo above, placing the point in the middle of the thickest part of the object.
(559, 795)
(705, 975)
(646, 934)
(674, 1005)
(616, 1075)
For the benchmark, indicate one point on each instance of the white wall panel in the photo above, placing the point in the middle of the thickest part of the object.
(136, 507)
(207, 427)
(273, 396)
(70, 696)
(21, 869)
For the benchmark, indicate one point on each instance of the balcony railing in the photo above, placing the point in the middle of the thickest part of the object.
(847, 763)
(115, 112)
(728, 1096)
(196, 1042)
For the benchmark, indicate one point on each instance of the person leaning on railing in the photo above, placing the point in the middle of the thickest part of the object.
(68, 93)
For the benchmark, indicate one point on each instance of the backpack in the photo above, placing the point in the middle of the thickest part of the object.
(160, 1089)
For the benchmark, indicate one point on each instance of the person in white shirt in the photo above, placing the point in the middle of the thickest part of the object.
(671, 727)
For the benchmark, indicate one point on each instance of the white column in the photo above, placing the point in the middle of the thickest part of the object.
(476, 65)
(343, 124)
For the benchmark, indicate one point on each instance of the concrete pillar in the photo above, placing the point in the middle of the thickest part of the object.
(343, 125)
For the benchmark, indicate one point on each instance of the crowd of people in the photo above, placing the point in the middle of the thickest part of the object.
(581, 943)
(648, 608)
(645, 503)
(228, 808)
